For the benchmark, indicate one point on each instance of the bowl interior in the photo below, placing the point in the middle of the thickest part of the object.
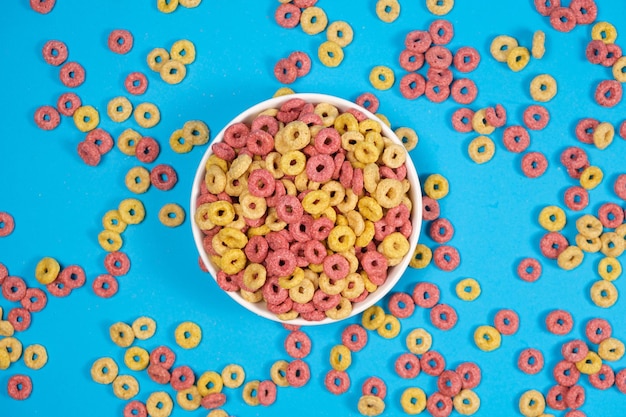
(394, 272)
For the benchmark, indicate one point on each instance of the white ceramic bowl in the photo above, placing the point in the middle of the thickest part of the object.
(394, 273)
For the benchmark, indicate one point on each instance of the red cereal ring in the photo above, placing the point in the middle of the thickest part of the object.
(42, 6)
(534, 164)
(401, 305)
(574, 350)
(596, 51)
(565, 373)
(68, 103)
(182, 377)
(463, 91)
(446, 258)
(530, 361)
(619, 187)
(555, 398)
(545, 7)
(585, 11)
(438, 57)
(259, 142)
(516, 138)
(397, 216)
(576, 198)
(120, 41)
(449, 383)
(603, 379)
(529, 269)
(412, 85)
(101, 138)
(337, 382)
(418, 41)
(147, 150)
(58, 288)
(117, 263)
(462, 121)
(368, 101)
(266, 393)
(354, 337)
(620, 381)
(411, 60)
(302, 62)
(163, 177)
(439, 405)
(563, 19)
(319, 168)
(426, 294)
(611, 215)
(159, 374)
(441, 230)
(466, 59)
(432, 363)
(298, 372)
(374, 386)
(324, 302)
(20, 387)
(14, 288)
(89, 153)
(34, 300)
(575, 398)
(285, 71)
(443, 316)
(609, 93)
(597, 330)
(4, 272)
(20, 319)
(552, 244)
(430, 208)
(73, 276)
(265, 123)
(72, 74)
(441, 32)
(496, 116)
(228, 282)
(536, 117)
(47, 117)
(613, 53)
(136, 83)
(287, 15)
(105, 286)
(574, 157)
(224, 151)
(374, 263)
(298, 344)
(559, 322)
(217, 399)
(54, 53)
(585, 128)
(135, 408)
(470, 374)
(440, 77)
(407, 366)
(506, 322)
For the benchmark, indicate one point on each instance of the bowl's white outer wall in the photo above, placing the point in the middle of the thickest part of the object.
(415, 194)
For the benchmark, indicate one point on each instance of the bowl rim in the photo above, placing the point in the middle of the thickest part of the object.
(415, 195)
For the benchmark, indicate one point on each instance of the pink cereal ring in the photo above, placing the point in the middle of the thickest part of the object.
(545, 7)
(438, 57)
(58, 289)
(446, 258)
(574, 350)
(496, 116)
(73, 276)
(574, 157)
(462, 120)
(436, 93)
(463, 91)
(536, 117)
(136, 83)
(320, 168)
(443, 316)
(182, 377)
(418, 41)
(224, 151)
(117, 263)
(19, 387)
(163, 177)
(368, 101)
(314, 252)
(89, 153)
(20, 318)
(301, 229)
(298, 373)
(530, 361)
(585, 11)
(585, 128)
(337, 382)
(105, 286)
(354, 337)
(374, 263)
(576, 198)
(147, 150)
(559, 322)
(441, 31)
(506, 322)
(285, 71)
(273, 292)
(609, 93)
(236, 134)
(529, 269)
(42, 6)
(534, 164)
(397, 216)
(516, 138)
(159, 374)
(218, 399)
(613, 53)
(120, 41)
(374, 386)
(555, 398)
(620, 381)
(14, 288)
(265, 123)
(425, 294)
(47, 117)
(261, 183)
(163, 356)
(336, 266)
(320, 229)
(289, 209)
(228, 282)
(324, 302)
(347, 171)
(439, 76)
(401, 305)
(575, 398)
(470, 374)
(72, 74)
(68, 103)
(328, 141)
(596, 51)
(298, 344)
(357, 182)
(34, 300)
(597, 330)
(563, 19)
(449, 383)
(287, 15)
(610, 215)
(620, 186)
(266, 393)
(565, 373)
(412, 85)
(432, 363)
(439, 405)
(102, 139)
(466, 59)
(301, 61)
(135, 408)
(54, 52)
(441, 230)
(552, 244)
(407, 366)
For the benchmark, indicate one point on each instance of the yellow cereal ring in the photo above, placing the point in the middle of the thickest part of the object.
(501, 46)
(387, 10)
(552, 218)
(539, 44)
(47, 270)
(166, 6)
(591, 245)
(611, 349)
(6, 328)
(609, 268)
(330, 54)
(217, 413)
(278, 373)
(481, 149)
(570, 258)
(215, 179)
(147, 115)
(158, 56)
(518, 58)
(172, 215)
(283, 91)
(127, 141)
(619, 70)
(340, 358)
(35, 356)
(249, 393)
(189, 399)
(370, 209)
(86, 118)
(344, 123)
(436, 186)
(183, 51)
(122, 334)
(421, 256)
(390, 327)
(589, 226)
(408, 137)
(366, 152)
(136, 358)
(303, 292)
(439, 7)
(113, 221)
(233, 376)
(313, 20)
(159, 404)
(137, 180)
(179, 143)
(316, 202)
(173, 71)
(480, 124)
(119, 109)
(210, 382)
(466, 402)
(373, 317)
(110, 241)
(394, 245)
(419, 341)
(188, 335)
(532, 403)
(13, 347)
(604, 31)
(132, 211)
(603, 293)
(413, 400)
(341, 238)
(196, 132)
(104, 371)
(468, 289)
(340, 32)
(590, 364)
(612, 244)
(370, 405)
(382, 77)
(393, 156)
(487, 338)
(591, 177)
(144, 327)
(543, 88)
(327, 112)
(5, 360)
(603, 135)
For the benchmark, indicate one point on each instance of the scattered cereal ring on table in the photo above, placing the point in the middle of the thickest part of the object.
(7, 224)
(120, 41)
(387, 10)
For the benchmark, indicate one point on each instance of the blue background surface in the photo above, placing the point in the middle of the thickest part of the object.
(58, 202)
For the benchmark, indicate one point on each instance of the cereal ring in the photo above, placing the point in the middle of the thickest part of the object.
(35, 356)
(432, 363)
(470, 374)
(559, 322)
(563, 19)
(591, 364)
(597, 330)
(144, 328)
(68, 103)
(121, 334)
(534, 164)
(183, 51)
(313, 20)
(287, 15)
(604, 32)
(419, 341)
(47, 117)
(611, 215)
(585, 11)
(173, 71)
(371, 405)
(518, 58)
(188, 335)
(34, 300)
(105, 286)
(19, 387)
(530, 361)
(120, 41)
(619, 71)
(136, 83)
(298, 373)
(538, 48)
(337, 382)
(72, 74)
(159, 404)
(609, 268)
(163, 177)
(462, 120)
(439, 7)
(413, 400)
(20, 319)
(609, 93)
(354, 337)
(387, 10)
(591, 177)
(603, 293)
(487, 338)
(407, 366)
(529, 269)
(611, 349)
(576, 198)
(342, 34)
(536, 117)
(54, 52)
(506, 322)
(412, 86)
(501, 47)
(374, 386)
(233, 376)
(463, 91)
(481, 149)
(14, 288)
(382, 77)
(543, 88)
(443, 316)
(104, 371)
(330, 54)
(182, 378)
(86, 118)
(468, 289)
